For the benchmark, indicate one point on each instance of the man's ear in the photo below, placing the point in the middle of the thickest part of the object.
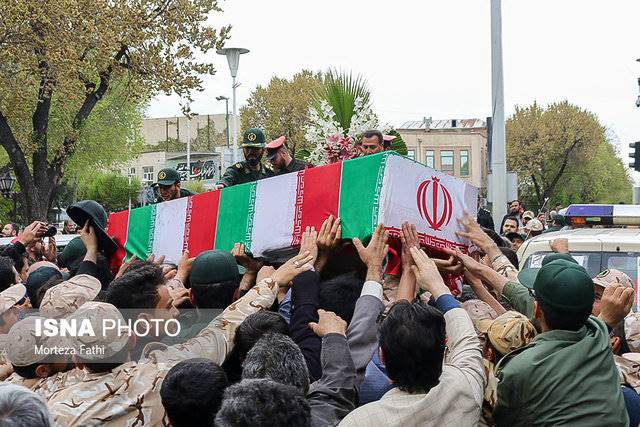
(537, 313)
(192, 298)
(178, 184)
(381, 354)
(616, 343)
(42, 371)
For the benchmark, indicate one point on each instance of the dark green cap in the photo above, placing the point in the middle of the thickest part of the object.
(73, 251)
(168, 176)
(527, 276)
(564, 285)
(213, 267)
(253, 137)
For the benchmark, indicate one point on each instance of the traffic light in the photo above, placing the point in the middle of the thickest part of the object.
(635, 155)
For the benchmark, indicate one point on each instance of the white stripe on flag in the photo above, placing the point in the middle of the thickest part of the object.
(274, 213)
(168, 234)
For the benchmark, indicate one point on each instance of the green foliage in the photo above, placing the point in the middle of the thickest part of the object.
(340, 90)
(282, 108)
(398, 145)
(111, 190)
(194, 186)
(562, 152)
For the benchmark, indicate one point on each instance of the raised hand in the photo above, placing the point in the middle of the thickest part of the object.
(615, 304)
(427, 274)
(309, 243)
(184, 267)
(329, 238)
(290, 269)
(51, 251)
(373, 255)
(32, 232)
(251, 264)
(328, 323)
(474, 232)
(409, 239)
(125, 265)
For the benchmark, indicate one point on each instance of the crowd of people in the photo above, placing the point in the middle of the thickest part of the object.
(328, 334)
(325, 338)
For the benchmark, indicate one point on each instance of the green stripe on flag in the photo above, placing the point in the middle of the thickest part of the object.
(360, 186)
(235, 216)
(140, 232)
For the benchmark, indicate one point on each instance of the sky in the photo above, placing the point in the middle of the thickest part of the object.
(432, 58)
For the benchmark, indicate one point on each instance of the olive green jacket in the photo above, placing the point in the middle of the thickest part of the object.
(241, 173)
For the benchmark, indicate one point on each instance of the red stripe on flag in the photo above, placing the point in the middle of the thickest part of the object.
(117, 226)
(200, 226)
(318, 196)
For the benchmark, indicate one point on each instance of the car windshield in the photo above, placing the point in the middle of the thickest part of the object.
(595, 262)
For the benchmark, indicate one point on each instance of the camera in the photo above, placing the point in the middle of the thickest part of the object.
(51, 231)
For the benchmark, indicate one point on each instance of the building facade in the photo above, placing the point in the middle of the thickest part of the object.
(211, 128)
(456, 147)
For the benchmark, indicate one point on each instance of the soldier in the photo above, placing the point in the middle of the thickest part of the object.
(280, 158)
(250, 169)
(168, 186)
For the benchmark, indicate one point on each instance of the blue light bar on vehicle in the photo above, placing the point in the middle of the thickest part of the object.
(586, 215)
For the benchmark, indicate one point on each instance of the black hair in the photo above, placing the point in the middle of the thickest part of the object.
(563, 319)
(261, 402)
(247, 334)
(137, 288)
(7, 276)
(499, 241)
(412, 338)
(340, 294)
(192, 391)
(485, 220)
(511, 256)
(28, 372)
(215, 295)
(50, 283)
(376, 133)
(619, 332)
(107, 364)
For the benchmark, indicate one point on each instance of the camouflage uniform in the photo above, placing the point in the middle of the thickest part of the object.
(129, 395)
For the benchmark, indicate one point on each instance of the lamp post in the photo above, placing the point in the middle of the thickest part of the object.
(226, 102)
(233, 58)
(6, 188)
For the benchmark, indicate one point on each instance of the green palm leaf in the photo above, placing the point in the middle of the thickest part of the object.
(340, 90)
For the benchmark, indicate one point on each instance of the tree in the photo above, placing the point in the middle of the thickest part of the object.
(282, 108)
(59, 61)
(112, 190)
(398, 145)
(562, 152)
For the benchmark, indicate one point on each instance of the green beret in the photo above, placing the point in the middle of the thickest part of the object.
(527, 276)
(213, 267)
(73, 251)
(564, 285)
(253, 137)
(168, 176)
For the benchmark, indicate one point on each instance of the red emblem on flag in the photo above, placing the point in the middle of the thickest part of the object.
(434, 203)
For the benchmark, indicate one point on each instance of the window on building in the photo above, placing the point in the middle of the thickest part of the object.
(132, 171)
(464, 162)
(430, 159)
(446, 161)
(147, 173)
(411, 154)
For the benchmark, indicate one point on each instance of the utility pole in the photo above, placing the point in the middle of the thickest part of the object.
(498, 149)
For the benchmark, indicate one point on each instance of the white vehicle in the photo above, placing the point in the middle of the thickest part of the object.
(61, 240)
(600, 237)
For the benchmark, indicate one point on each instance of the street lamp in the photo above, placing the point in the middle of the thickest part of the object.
(233, 58)
(6, 188)
(226, 101)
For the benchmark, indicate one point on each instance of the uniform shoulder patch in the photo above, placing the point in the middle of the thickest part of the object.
(238, 166)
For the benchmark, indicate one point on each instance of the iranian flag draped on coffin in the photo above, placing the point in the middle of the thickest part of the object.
(269, 216)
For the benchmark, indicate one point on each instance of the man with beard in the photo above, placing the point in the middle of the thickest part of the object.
(251, 169)
(169, 187)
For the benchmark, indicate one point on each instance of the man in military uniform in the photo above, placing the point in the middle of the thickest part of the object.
(280, 158)
(168, 186)
(250, 169)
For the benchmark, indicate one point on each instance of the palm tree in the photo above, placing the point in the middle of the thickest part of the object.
(340, 90)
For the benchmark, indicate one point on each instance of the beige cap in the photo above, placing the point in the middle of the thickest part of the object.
(480, 312)
(510, 331)
(534, 225)
(528, 214)
(21, 344)
(66, 297)
(10, 296)
(632, 331)
(608, 277)
(108, 339)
